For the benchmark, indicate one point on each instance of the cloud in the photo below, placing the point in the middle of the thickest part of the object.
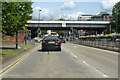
(36, 8)
(74, 16)
(45, 14)
(68, 5)
(108, 4)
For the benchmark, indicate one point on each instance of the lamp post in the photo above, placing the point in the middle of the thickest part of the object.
(39, 33)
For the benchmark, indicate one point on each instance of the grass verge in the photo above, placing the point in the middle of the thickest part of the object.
(10, 53)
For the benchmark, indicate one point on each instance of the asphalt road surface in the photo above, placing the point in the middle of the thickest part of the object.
(74, 61)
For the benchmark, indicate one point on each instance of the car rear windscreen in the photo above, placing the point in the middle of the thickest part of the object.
(51, 37)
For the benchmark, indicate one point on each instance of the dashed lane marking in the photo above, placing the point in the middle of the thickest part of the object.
(104, 75)
(73, 55)
(75, 46)
(66, 50)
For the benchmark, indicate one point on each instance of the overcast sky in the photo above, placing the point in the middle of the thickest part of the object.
(70, 9)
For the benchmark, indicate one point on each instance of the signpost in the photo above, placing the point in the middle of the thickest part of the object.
(26, 34)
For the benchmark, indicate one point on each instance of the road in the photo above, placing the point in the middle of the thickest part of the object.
(74, 61)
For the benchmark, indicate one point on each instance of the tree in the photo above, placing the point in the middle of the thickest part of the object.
(116, 16)
(0, 12)
(113, 24)
(62, 19)
(43, 32)
(14, 16)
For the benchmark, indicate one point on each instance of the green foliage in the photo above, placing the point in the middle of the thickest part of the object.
(9, 53)
(116, 15)
(0, 16)
(14, 16)
(62, 19)
(43, 32)
(113, 24)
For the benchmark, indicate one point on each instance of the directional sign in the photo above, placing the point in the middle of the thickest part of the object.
(63, 24)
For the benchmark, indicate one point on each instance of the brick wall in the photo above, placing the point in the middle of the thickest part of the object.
(10, 39)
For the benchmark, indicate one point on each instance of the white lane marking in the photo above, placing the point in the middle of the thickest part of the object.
(99, 49)
(75, 46)
(66, 50)
(73, 55)
(95, 69)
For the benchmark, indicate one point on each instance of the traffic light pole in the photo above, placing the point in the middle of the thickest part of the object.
(71, 30)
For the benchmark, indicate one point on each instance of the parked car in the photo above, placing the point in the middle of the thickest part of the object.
(117, 40)
(103, 40)
(75, 37)
(37, 39)
(51, 43)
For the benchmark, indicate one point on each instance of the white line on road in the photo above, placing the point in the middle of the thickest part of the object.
(73, 55)
(99, 49)
(66, 50)
(75, 46)
(95, 69)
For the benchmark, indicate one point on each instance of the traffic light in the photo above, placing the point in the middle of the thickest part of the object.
(71, 30)
(29, 31)
(39, 30)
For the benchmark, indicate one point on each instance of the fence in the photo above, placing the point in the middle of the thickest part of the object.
(111, 43)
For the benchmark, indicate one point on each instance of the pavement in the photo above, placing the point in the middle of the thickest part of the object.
(13, 45)
(74, 61)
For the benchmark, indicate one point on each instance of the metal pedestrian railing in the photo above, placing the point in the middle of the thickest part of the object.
(105, 42)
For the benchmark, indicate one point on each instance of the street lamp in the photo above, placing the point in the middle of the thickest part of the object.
(39, 24)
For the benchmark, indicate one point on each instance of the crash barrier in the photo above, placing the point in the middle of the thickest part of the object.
(105, 42)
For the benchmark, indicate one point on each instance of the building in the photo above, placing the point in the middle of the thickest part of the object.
(102, 16)
(84, 17)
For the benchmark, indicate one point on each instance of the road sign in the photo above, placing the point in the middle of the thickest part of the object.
(63, 24)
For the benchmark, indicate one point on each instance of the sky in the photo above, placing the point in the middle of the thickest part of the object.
(55, 9)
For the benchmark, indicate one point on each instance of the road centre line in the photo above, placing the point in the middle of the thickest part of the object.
(73, 55)
(75, 46)
(66, 50)
(95, 69)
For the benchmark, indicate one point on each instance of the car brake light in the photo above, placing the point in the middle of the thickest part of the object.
(44, 42)
(57, 41)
